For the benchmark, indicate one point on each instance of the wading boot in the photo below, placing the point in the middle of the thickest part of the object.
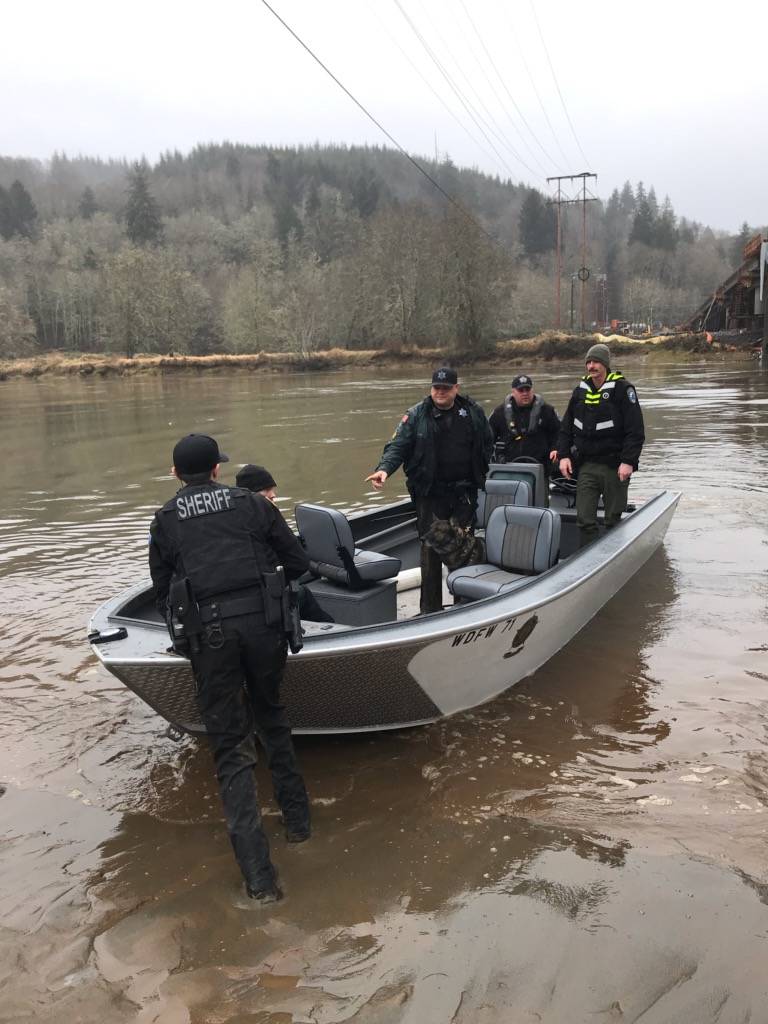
(297, 834)
(266, 894)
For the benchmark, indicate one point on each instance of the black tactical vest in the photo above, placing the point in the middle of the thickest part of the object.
(214, 535)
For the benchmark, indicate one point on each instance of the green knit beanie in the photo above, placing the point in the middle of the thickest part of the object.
(601, 353)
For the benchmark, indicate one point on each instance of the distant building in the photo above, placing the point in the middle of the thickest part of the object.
(737, 304)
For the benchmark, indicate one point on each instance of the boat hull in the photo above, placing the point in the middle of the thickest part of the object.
(420, 670)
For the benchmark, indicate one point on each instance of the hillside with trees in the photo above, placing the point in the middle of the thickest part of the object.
(235, 248)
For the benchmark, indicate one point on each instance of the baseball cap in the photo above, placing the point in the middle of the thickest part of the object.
(522, 381)
(255, 478)
(197, 453)
(445, 376)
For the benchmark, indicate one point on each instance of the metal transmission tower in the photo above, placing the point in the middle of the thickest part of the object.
(559, 200)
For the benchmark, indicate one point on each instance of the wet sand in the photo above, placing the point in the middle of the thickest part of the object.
(591, 846)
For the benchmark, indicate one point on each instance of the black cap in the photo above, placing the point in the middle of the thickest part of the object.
(522, 380)
(445, 376)
(197, 453)
(255, 478)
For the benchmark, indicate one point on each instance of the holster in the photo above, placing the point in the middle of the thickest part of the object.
(183, 620)
(281, 607)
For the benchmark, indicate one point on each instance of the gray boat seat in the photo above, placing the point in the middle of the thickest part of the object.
(327, 539)
(500, 492)
(520, 543)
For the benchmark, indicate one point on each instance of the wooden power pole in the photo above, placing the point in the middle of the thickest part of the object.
(559, 200)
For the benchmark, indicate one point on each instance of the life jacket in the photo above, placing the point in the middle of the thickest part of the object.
(518, 433)
(215, 539)
(598, 421)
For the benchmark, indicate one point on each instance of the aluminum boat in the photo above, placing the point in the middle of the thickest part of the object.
(382, 665)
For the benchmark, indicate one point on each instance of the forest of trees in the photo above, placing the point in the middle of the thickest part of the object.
(236, 248)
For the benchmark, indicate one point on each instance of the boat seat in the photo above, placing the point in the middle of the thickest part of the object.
(520, 543)
(327, 539)
(500, 492)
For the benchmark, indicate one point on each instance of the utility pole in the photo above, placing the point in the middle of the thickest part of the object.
(560, 200)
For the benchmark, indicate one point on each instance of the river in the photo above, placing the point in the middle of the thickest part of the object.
(589, 847)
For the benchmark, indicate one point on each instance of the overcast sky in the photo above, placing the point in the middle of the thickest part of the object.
(670, 92)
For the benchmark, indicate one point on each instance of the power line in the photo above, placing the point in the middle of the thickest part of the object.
(382, 129)
(521, 55)
(491, 123)
(429, 85)
(557, 84)
(506, 89)
(462, 99)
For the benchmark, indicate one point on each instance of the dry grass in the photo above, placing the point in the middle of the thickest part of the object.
(549, 345)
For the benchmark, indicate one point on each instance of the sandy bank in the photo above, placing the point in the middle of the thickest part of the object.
(547, 347)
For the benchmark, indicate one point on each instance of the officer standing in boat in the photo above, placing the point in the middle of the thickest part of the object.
(444, 445)
(603, 432)
(524, 425)
(213, 555)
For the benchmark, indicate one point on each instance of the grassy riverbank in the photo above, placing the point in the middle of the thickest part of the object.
(547, 347)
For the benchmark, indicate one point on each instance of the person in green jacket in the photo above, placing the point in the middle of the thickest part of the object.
(444, 445)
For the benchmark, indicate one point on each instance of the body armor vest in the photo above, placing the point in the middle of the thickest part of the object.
(215, 545)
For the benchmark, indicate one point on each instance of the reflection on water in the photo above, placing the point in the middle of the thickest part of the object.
(566, 852)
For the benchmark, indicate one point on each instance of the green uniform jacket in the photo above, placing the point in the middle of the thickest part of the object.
(413, 446)
(603, 424)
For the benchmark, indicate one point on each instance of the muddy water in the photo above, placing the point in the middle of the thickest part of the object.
(589, 847)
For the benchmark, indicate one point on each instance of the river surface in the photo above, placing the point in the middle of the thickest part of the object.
(589, 847)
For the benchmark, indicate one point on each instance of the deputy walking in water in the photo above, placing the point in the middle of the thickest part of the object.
(213, 554)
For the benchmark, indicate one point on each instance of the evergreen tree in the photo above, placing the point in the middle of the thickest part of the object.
(536, 233)
(627, 199)
(282, 189)
(644, 224)
(737, 247)
(20, 212)
(5, 215)
(365, 193)
(142, 214)
(665, 234)
(688, 231)
(87, 205)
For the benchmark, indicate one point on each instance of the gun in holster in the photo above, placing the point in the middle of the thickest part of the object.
(183, 619)
(281, 607)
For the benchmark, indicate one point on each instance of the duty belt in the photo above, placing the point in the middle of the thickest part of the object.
(214, 610)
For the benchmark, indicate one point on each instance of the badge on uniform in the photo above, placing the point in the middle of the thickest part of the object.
(606, 394)
(462, 412)
(632, 395)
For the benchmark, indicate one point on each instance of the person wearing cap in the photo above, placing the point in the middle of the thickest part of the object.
(223, 540)
(444, 445)
(260, 481)
(602, 433)
(524, 425)
(257, 479)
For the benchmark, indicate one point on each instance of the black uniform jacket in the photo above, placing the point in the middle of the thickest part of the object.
(222, 539)
(413, 445)
(603, 424)
(531, 430)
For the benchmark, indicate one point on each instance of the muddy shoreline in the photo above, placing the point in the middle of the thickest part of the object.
(548, 347)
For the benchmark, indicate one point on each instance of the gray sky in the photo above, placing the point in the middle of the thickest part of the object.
(671, 93)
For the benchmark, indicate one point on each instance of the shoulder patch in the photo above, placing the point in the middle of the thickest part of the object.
(404, 419)
(632, 395)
